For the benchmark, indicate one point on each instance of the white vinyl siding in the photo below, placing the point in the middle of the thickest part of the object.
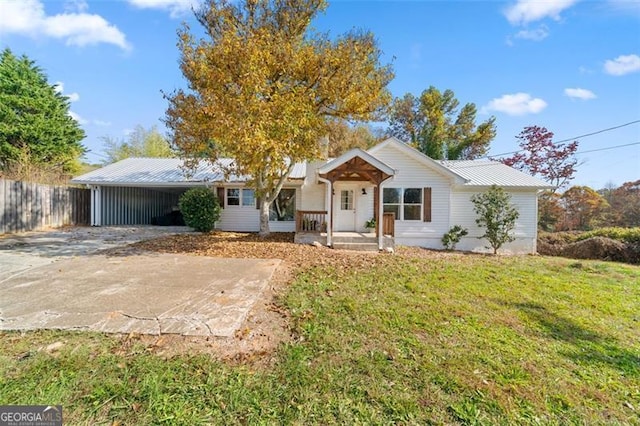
(247, 218)
(526, 225)
(312, 194)
(414, 174)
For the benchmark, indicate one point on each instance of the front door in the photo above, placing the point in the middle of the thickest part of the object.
(344, 207)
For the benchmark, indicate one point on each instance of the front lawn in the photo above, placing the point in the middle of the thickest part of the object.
(412, 338)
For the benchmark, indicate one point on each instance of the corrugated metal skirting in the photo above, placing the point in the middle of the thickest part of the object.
(134, 206)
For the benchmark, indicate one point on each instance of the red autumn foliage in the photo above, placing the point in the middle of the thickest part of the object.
(541, 157)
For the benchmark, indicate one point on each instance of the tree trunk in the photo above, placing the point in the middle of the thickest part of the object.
(264, 218)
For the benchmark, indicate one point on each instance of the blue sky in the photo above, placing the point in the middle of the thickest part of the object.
(571, 66)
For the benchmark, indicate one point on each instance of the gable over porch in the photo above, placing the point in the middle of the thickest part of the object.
(353, 183)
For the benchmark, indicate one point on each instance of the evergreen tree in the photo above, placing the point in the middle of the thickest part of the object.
(35, 127)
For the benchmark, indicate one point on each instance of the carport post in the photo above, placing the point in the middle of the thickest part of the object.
(96, 205)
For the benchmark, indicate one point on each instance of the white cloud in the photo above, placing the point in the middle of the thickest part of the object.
(76, 6)
(81, 121)
(579, 93)
(623, 64)
(537, 34)
(58, 86)
(176, 8)
(625, 6)
(102, 123)
(28, 17)
(524, 11)
(515, 104)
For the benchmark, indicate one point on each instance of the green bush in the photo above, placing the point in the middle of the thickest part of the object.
(453, 237)
(625, 235)
(200, 209)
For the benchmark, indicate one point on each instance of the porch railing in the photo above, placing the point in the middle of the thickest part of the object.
(311, 221)
(388, 223)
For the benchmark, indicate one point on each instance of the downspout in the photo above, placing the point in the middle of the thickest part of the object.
(329, 206)
(380, 223)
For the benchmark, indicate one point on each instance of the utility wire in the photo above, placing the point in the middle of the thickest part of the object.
(484, 164)
(609, 147)
(598, 132)
(573, 138)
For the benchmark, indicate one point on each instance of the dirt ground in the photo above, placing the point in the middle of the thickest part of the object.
(267, 325)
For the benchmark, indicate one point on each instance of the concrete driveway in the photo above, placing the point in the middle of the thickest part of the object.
(61, 280)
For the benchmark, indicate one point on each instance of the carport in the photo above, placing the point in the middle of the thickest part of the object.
(134, 191)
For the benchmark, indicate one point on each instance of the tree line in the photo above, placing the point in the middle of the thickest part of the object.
(264, 87)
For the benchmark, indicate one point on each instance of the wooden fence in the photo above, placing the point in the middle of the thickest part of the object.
(26, 206)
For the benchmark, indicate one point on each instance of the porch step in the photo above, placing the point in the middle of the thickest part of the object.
(355, 239)
(359, 246)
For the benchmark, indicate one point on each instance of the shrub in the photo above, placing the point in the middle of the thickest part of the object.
(200, 209)
(497, 215)
(625, 235)
(453, 237)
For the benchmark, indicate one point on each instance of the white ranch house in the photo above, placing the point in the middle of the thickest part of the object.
(331, 201)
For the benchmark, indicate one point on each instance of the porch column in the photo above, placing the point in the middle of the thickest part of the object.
(329, 213)
(380, 221)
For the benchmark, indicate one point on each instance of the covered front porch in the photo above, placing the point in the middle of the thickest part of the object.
(354, 217)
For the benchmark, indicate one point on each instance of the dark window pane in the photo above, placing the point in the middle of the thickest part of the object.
(412, 212)
(391, 195)
(283, 207)
(233, 197)
(413, 196)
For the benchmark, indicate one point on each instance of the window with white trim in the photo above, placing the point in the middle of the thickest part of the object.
(405, 203)
(233, 196)
(241, 197)
(283, 207)
(248, 198)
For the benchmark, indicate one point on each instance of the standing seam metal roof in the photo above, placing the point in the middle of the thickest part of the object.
(167, 171)
(488, 172)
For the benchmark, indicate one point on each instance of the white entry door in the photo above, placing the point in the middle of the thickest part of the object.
(344, 208)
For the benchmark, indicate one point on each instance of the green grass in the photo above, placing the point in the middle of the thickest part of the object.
(457, 339)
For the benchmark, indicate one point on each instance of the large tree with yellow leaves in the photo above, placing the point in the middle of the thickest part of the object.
(262, 85)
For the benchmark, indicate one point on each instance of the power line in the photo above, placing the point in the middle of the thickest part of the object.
(472, 164)
(574, 138)
(609, 147)
(598, 132)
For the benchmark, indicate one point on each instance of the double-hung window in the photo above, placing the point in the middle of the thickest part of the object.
(240, 197)
(405, 203)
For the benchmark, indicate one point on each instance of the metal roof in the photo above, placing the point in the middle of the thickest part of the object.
(166, 172)
(488, 172)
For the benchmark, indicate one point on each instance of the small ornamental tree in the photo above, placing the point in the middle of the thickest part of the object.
(497, 215)
(200, 209)
(541, 157)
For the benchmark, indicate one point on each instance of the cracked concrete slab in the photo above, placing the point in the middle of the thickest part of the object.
(149, 294)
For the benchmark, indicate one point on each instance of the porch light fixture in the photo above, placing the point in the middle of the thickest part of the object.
(364, 191)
